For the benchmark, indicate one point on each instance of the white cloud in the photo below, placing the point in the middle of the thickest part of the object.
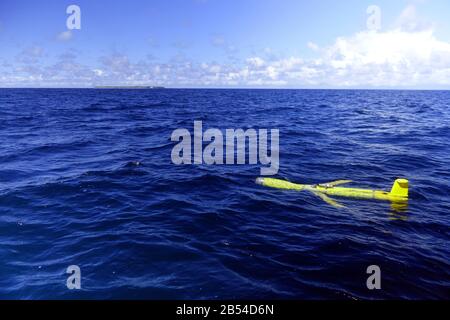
(98, 72)
(65, 35)
(393, 58)
(409, 20)
(313, 46)
(31, 55)
(409, 55)
(256, 62)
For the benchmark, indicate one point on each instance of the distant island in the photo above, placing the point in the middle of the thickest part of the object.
(128, 87)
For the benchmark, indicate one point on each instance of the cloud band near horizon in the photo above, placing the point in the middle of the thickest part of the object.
(407, 56)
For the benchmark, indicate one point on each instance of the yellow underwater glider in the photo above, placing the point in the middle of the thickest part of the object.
(398, 193)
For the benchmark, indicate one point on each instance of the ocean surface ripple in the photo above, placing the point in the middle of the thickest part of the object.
(86, 179)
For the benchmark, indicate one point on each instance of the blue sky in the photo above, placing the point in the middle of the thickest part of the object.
(226, 43)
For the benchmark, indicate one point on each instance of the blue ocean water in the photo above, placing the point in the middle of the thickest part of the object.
(86, 179)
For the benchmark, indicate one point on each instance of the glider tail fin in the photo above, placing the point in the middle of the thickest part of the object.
(400, 188)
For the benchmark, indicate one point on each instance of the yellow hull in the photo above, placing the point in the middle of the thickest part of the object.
(360, 193)
(399, 192)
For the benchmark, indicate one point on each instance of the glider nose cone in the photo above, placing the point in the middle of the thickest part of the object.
(260, 181)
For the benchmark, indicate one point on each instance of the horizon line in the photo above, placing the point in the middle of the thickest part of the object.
(138, 88)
